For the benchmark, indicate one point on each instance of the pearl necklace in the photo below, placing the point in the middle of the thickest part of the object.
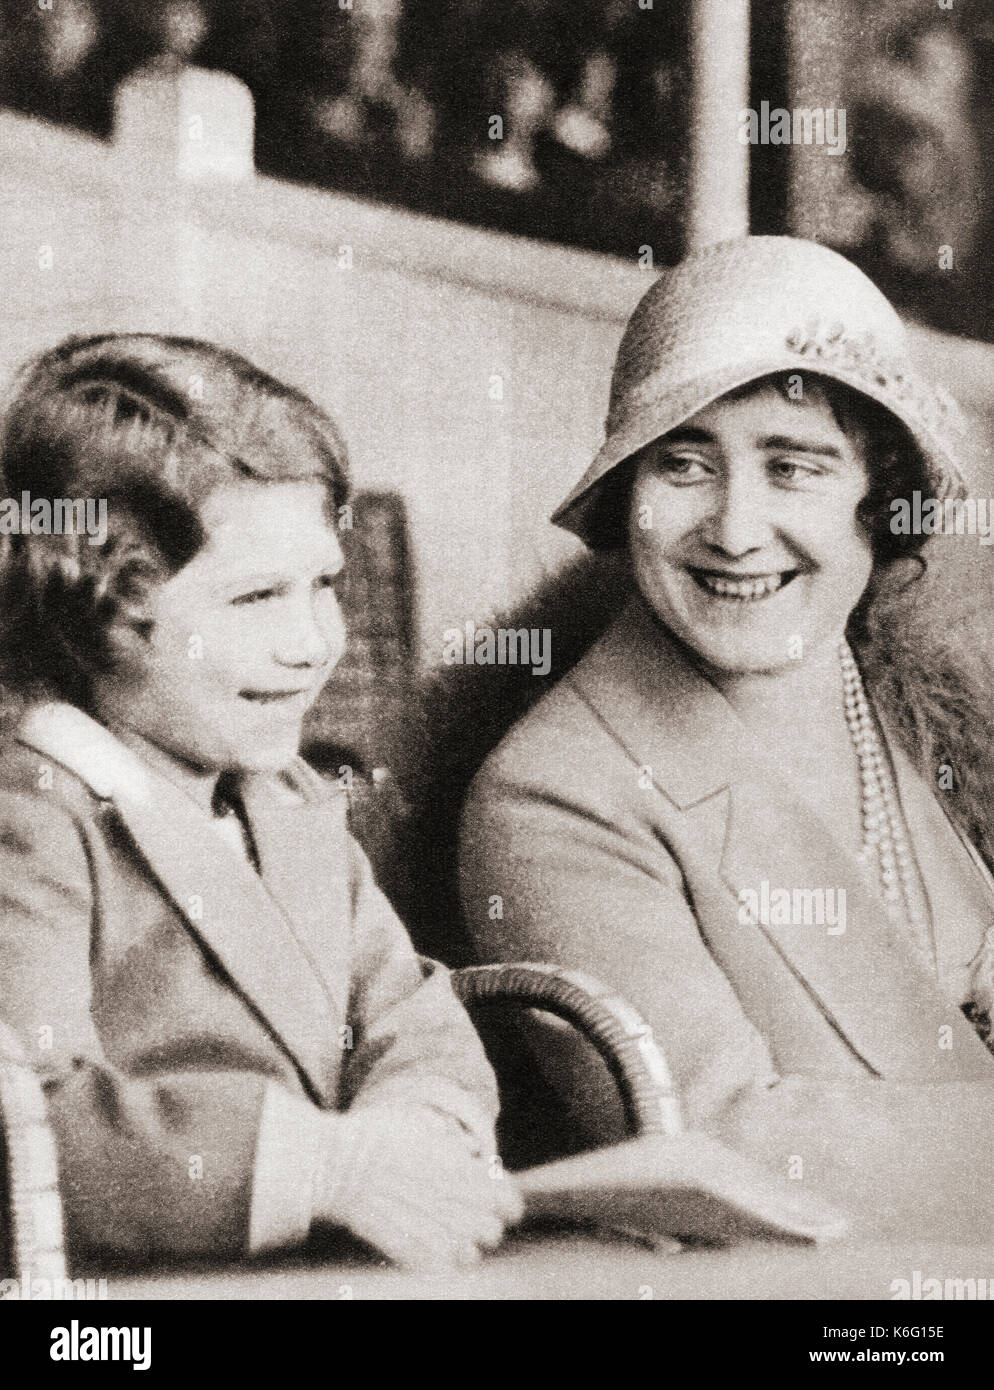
(885, 840)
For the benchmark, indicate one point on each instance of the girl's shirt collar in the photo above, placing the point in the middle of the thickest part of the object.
(86, 747)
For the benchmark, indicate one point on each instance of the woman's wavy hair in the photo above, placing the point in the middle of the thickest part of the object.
(149, 425)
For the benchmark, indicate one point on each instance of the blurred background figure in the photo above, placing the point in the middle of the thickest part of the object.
(180, 27)
(372, 91)
(559, 119)
(60, 62)
(915, 151)
(564, 120)
(343, 103)
(524, 101)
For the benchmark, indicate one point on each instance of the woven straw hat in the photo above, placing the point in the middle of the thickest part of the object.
(743, 309)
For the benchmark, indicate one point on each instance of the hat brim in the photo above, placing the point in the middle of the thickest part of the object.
(578, 512)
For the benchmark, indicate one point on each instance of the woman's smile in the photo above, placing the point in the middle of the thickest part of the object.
(277, 709)
(725, 586)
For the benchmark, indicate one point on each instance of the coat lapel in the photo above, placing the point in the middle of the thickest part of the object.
(866, 982)
(243, 920)
(304, 864)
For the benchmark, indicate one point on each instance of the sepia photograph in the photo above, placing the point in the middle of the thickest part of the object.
(497, 666)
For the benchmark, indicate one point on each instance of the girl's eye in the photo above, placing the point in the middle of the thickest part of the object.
(254, 596)
(330, 581)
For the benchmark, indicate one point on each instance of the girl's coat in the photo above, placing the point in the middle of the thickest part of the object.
(195, 1020)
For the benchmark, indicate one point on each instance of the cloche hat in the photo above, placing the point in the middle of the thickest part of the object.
(744, 309)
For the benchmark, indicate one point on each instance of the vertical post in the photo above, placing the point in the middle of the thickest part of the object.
(187, 123)
(176, 124)
(718, 191)
(822, 201)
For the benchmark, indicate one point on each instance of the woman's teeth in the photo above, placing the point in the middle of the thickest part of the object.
(742, 589)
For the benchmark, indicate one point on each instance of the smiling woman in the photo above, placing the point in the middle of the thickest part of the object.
(238, 1043)
(768, 709)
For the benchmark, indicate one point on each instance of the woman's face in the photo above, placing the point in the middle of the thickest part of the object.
(743, 531)
(243, 637)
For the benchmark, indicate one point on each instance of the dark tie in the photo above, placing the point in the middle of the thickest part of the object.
(227, 797)
(227, 801)
(981, 1020)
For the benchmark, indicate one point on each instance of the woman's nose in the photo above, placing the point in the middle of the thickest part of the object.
(740, 521)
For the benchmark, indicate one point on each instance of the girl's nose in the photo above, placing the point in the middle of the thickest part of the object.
(316, 637)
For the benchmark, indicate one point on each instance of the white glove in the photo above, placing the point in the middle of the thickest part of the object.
(406, 1180)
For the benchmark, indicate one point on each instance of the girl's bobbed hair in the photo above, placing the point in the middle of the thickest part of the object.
(147, 426)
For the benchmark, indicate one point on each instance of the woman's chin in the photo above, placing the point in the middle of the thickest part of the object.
(741, 653)
(739, 636)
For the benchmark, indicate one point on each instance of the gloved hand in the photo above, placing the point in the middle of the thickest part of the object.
(407, 1180)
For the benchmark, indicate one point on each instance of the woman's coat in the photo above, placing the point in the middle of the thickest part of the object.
(619, 829)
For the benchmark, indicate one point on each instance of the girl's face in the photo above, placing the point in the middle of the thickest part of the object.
(743, 530)
(243, 637)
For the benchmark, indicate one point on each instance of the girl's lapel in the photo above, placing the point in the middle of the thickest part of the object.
(304, 859)
(866, 980)
(279, 961)
(278, 936)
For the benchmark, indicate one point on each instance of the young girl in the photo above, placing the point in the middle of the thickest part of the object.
(238, 1042)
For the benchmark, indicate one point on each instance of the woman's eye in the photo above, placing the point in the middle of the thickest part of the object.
(683, 467)
(329, 581)
(792, 470)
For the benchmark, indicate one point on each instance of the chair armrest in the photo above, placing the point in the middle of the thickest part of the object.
(31, 1220)
(618, 1032)
(31, 1224)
